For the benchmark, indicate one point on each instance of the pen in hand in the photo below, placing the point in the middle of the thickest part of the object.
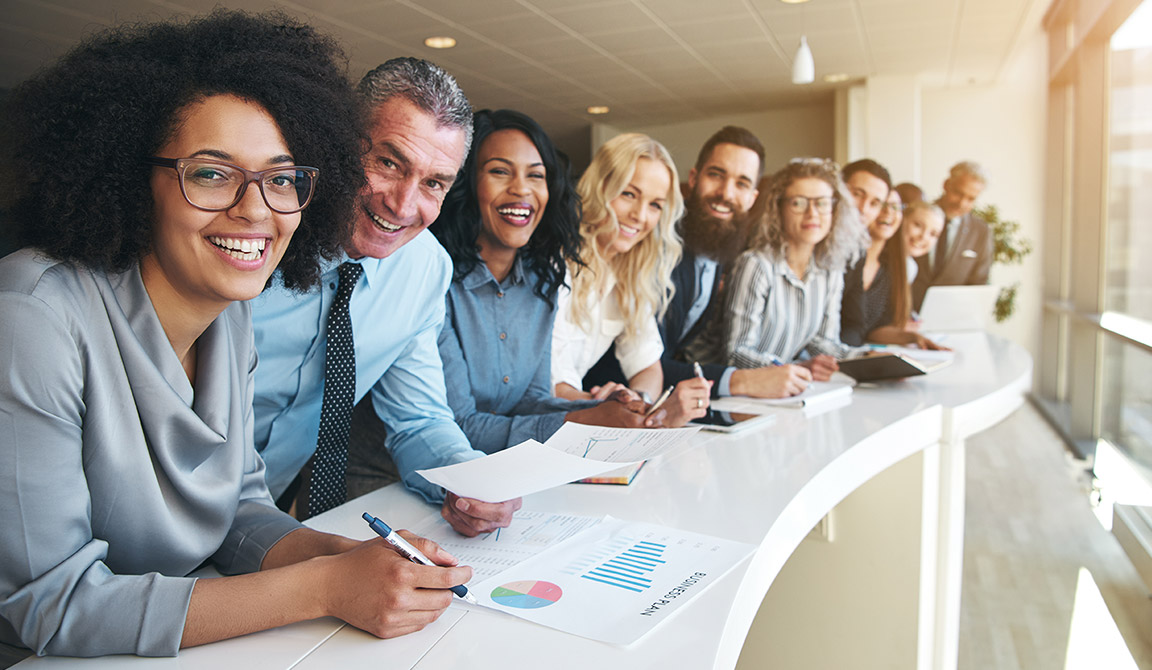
(698, 370)
(659, 401)
(411, 553)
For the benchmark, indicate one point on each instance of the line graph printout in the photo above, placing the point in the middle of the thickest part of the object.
(617, 445)
(574, 452)
(619, 579)
(490, 554)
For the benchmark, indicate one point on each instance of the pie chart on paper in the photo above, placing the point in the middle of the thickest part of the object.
(526, 594)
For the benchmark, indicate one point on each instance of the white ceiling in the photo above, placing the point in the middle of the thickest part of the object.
(651, 61)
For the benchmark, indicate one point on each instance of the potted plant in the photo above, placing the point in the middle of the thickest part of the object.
(1009, 248)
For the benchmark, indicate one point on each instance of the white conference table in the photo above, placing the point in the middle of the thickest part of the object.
(768, 486)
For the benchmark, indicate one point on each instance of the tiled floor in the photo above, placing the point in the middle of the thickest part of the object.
(1028, 532)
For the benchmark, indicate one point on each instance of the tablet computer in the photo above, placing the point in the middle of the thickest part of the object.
(730, 422)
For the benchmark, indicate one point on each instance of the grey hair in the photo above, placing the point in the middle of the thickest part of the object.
(968, 169)
(427, 86)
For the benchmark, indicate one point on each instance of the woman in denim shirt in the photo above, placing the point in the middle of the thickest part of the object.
(509, 224)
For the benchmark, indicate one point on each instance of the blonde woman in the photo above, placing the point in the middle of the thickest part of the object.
(622, 282)
(785, 291)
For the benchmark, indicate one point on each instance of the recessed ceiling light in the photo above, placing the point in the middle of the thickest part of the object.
(597, 109)
(441, 42)
(836, 78)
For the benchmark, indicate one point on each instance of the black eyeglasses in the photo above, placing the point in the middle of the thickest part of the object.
(799, 204)
(215, 186)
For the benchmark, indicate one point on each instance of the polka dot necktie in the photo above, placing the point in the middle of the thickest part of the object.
(331, 460)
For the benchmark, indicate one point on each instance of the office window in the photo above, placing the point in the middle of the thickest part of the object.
(1126, 402)
(1128, 280)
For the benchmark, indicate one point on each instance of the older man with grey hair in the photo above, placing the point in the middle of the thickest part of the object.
(371, 329)
(963, 254)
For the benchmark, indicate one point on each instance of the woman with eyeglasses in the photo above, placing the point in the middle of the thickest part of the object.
(158, 175)
(621, 283)
(783, 298)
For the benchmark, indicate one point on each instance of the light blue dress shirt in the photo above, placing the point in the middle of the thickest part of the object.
(496, 347)
(117, 476)
(397, 310)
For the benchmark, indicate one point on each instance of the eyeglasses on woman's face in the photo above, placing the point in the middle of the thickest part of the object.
(215, 186)
(799, 204)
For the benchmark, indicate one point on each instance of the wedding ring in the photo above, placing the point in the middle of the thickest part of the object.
(699, 403)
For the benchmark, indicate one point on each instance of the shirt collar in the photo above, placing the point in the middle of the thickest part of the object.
(330, 268)
(481, 275)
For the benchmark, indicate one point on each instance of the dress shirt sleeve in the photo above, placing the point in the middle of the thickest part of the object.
(640, 349)
(259, 524)
(536, 416)
(568, 340)
(747, 307)
(56, 593)
(412, 402)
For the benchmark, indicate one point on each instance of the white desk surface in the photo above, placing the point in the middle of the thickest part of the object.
(768, 487)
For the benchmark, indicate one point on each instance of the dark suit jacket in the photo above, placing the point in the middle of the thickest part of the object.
(673, 324)
(966, 263)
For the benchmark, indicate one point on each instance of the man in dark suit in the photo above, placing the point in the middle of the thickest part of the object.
(963, 254)
(722, 188)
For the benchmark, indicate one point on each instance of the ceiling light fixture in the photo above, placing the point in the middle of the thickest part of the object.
(793, 2)
(803, 67)
(836, 78)
(440, 42)
(598, 109)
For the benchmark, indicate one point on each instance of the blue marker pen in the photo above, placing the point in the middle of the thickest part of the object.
(408, 551)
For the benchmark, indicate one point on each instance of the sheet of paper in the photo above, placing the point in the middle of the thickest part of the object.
(915, 353)
(817, 392)
(574, 452)
(491, 553)
(514, 472)
(613, 582)
(618, 445)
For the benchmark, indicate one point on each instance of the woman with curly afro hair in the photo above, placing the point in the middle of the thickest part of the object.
(157, 175)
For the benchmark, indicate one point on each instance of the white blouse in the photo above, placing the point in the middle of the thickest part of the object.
(575, 350)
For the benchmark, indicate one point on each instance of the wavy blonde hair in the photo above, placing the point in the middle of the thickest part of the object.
(846, 241)
(643, 274)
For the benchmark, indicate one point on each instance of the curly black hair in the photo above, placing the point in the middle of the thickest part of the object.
(73, 148)
(555, 240)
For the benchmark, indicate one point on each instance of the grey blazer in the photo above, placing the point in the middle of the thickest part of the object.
(966, 263)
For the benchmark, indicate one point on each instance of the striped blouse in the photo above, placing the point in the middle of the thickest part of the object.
(773, 315)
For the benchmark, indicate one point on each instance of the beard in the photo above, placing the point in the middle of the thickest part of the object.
(707, 235)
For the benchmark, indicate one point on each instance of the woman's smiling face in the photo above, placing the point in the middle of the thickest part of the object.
(639, 205)
(214, 258)
(511, 190)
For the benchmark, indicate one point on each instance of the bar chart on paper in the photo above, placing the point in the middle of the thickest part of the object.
(614, 581)
(629, 566)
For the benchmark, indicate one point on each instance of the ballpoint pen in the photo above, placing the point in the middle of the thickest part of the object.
(411, 553)
(659, 401)
(698, 370)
